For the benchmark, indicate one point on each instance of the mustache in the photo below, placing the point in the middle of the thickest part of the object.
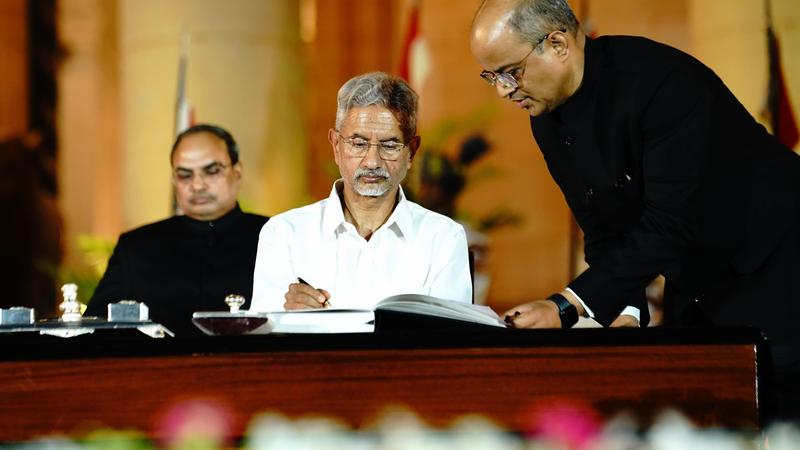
(197, 197)
(376, 172)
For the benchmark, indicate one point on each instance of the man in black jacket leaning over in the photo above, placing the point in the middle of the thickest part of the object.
(665, 172)
(189, 262)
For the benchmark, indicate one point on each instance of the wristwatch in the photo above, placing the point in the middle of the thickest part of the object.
(567, 312)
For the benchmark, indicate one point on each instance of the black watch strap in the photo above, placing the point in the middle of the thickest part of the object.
(566, 310)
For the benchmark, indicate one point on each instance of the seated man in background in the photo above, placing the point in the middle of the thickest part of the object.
(366, 241)
(188, 262)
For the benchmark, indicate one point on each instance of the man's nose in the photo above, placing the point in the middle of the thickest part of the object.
(373, 157)
(502, 91)
(198, 183)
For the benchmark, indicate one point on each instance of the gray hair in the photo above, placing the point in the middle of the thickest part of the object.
(380, 89)
(533, 19)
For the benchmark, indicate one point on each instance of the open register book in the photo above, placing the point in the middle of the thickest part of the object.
(399, 312)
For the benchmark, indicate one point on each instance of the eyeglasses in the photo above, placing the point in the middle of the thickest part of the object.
(208, 174)
(510, 79)
(358, 147)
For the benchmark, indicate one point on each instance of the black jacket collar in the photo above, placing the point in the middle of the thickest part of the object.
(576, 104)
(231, 217)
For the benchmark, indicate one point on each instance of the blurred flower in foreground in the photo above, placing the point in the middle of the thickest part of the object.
(196, 425)
(108, 439)
(399, 428)
(475, 432)
(273, 431)
(49, 443)
(566, 423)
(673, 431)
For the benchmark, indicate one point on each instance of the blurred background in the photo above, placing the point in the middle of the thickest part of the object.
(91, 93)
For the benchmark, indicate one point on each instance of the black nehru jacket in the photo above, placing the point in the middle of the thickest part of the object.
(180, 265)
(667, 173)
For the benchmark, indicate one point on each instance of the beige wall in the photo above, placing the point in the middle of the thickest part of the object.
(662, 20)
(730, 37)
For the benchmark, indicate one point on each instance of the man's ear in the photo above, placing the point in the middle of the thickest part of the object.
(237, 169)
(333, 138)
(560, 43)
(413, 146)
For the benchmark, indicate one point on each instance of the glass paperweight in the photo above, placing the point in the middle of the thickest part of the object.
(233, 321)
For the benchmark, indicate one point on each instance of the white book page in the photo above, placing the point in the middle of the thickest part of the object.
(432, 306)
(323, 321)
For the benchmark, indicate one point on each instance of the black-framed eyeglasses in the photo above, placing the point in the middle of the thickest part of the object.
(208, 174)
(358, 147)
(509, 80)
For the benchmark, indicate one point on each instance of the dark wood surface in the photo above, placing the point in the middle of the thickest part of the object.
(52, 385)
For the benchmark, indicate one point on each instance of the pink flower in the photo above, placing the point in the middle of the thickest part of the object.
(196, 421)
(569, 422)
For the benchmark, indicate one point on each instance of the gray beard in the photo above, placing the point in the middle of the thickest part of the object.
(372, 190)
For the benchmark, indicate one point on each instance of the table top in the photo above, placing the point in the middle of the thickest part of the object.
(128, 342)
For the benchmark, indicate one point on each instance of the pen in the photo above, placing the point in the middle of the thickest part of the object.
(300, 280)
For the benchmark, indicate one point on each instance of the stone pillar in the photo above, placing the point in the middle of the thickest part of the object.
(88, 123)
(14, 76)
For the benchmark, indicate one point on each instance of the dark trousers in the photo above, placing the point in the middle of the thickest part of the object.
(767, 299)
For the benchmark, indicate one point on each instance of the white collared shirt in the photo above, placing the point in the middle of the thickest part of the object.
(416, 251)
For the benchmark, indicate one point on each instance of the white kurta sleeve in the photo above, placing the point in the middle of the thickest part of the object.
(450, 267)
(273, 270)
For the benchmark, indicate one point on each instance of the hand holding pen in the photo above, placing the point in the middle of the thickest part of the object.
(302, 295)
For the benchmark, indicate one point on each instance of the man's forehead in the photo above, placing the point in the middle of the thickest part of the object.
(194, 167)
(494, 42)
(200, 150)
(491, 24)
(370, 118)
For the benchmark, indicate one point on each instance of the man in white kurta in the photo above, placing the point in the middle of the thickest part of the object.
(415, 251)
(366, 241)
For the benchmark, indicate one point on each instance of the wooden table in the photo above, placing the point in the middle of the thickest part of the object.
(53, 385)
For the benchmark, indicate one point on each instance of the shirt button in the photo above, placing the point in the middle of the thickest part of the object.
(569, 140)
(589, 194)
(622, 181)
